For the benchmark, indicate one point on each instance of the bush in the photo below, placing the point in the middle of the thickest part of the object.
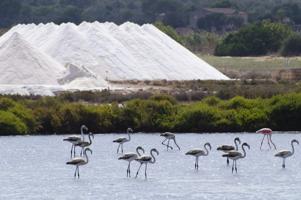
(159, 113)
(11, 124)
(254, 40)
(292, 46)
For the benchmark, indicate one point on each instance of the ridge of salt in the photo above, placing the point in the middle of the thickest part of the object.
(22, 63)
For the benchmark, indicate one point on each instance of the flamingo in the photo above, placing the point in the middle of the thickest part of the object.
(130, 157)
(285, 153)
(169, 136)
(84, 144)
(227, 148)
(236, 155)
(123, 140)
(79, 161)
(199, 152)
(145, 159)
(75, 139)
(266, 132)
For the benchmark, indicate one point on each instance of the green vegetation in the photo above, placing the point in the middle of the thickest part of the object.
(204, 42)
(217, 22)
(172, 12)
(292, 46)
(50, 115)
(254, 40)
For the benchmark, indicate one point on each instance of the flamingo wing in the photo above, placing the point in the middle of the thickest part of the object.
(265, 131)
(225, 148)
(232, 154)
(144, 158)
(119, 140)
(194, 152)
(128, 156)
(72, 138)
(76, 161)
(282, 153)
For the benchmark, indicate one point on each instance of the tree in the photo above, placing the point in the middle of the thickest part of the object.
(254, 39)
(292, 46)
(9, 12)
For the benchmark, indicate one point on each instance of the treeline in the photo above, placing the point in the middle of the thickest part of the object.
(259, 39)
(172, 12)
(50, 115)
(197, 41)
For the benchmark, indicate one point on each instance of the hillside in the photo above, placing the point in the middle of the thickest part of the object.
(172, 12)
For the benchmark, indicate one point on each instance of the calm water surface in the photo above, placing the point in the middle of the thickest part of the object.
(33, 167)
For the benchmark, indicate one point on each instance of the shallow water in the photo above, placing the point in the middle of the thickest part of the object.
(33, 167)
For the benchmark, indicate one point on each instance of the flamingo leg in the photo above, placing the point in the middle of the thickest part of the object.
(168, 144)
(262, 141)
(75, 172)
(74, 151)
(145, 174)
(164, 141)
(232, 166)
(176, 143)
(272, 142)
(269, 142)
(128, 170)
(122, 148)
(236, 166)
(82, 151)
(197, 163)
(71, 151)
(228, 162)
(138, 170)
(118, 148)
(283, 163)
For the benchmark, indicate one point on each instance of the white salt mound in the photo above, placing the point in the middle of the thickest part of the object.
(93, 53)
(21, 63)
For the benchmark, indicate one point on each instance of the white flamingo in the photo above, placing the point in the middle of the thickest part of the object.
(285, 153)
(145, 159)
(199, 152)
(169, 136)
(236, 155)
(79, 161)
(130, 157)
(123, 140)
(75, 139)
(84, 144)
(227, 148)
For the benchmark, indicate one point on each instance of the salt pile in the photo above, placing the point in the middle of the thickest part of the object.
(21, 63)
(87, 55)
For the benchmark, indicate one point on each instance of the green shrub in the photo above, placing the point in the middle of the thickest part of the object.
(292, 46)
(254, 40)
(11, 124)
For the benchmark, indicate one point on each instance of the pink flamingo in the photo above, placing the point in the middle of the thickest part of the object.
(267, 132)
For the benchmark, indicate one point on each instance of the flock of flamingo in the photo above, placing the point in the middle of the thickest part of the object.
(231, 152)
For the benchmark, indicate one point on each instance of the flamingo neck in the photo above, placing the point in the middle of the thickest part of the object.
(138, 153)
(82, 133)
(293, 148)
(129, 135)
(86, 156)
(154, 159)
(207, 151)
(236, 145)
(90, 140)
(245, 153)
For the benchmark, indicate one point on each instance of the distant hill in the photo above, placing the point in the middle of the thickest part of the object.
(176, 13)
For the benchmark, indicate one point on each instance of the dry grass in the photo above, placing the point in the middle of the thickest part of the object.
(251, 67)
